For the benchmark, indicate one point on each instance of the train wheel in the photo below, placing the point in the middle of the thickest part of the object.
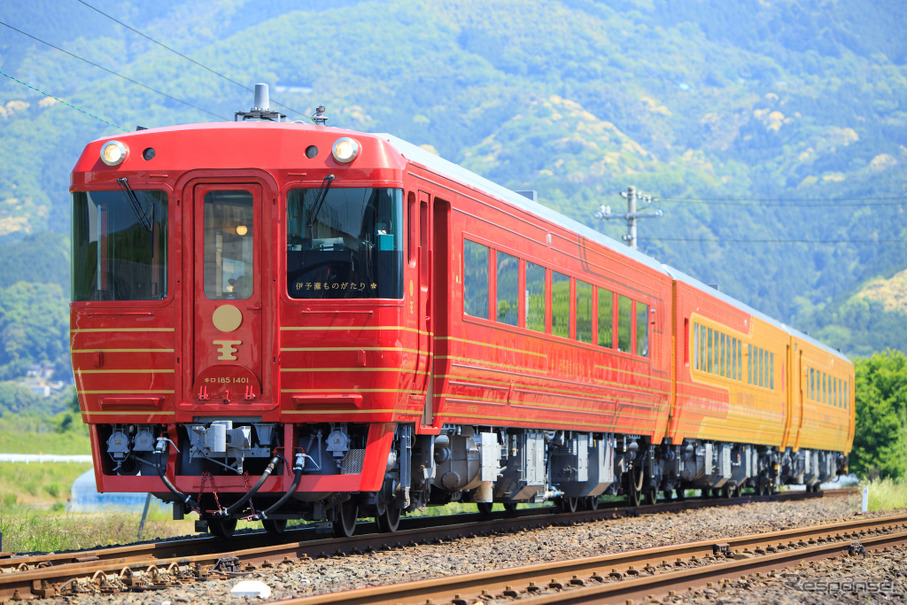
(274, 527)
(650, 495)
(388, 520)
(568, 505)
(592, 503)
(510, 508)
(345, 519)
(222, 528)
(681, 493)
(633, 485)
(485, 508)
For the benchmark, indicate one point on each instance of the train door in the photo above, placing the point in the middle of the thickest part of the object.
(795, 396)
(440, 303)
(424, 383)
(225, 284)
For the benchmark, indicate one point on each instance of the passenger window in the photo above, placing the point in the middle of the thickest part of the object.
(749, 364)
(761, 371)
(695, 346)
(624, 323)
(508, 289)
(771, 370)
(722, 356)
(583, 312)
(709, 352)
(475, 279)
(605, 318)
(536, 301)
(560, 304)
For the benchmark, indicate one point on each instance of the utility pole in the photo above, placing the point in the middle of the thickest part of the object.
(632, 215)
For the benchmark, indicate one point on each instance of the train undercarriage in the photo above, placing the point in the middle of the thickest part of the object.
(464, 463)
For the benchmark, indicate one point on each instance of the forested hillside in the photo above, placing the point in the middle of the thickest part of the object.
(774, 133)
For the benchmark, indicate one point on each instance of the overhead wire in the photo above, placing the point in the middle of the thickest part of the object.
(110, 71)
(717, 240)
(793, 202)
(181, 55)
(76, 107)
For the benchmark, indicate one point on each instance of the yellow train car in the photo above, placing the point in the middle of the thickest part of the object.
(755, 402)
(821, 397)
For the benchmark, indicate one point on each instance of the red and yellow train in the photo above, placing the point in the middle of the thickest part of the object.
(273, 320)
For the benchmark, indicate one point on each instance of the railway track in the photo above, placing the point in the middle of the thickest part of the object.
(641, 574)
(149, 566)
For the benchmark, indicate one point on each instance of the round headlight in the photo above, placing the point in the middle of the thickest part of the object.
(345, 150)
(113, 153)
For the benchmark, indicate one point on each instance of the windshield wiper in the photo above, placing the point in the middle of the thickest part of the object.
(134, 203)
(323, 193)
(325, 185)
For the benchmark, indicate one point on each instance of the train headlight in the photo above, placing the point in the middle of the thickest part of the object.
(345, 150)
(113, 153)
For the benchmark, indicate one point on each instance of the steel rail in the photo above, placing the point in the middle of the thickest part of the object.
(569, 581)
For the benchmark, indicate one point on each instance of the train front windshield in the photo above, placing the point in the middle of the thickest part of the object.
(119, 245)
(345, 243)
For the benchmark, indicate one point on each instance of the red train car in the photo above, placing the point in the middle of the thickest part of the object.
(279, 321)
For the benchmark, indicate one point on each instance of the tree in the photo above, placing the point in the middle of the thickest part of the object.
(880, 441)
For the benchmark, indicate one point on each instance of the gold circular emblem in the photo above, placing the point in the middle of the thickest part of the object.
(226, 318)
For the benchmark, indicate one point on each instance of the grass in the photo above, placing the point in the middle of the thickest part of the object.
(887, 494)
(33, 496)
(29, 435)
(33, 516)
(39, 484)
(27, 529)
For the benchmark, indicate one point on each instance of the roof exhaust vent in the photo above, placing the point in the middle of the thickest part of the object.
(261, 109)
(262, 100)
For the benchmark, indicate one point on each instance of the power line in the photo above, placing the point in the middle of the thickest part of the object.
(774, 241)
(110, 71)
(88, 113)
(181, 55)
(793, 202)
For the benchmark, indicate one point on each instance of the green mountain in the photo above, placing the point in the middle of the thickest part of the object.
(773, 133)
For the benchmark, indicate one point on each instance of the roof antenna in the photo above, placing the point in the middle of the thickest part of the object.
(261, 109)
(318, 117)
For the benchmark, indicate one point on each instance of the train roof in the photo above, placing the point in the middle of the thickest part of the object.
(682, 277)
(467, 177)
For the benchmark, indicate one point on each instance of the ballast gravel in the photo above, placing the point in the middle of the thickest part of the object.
(873, 577)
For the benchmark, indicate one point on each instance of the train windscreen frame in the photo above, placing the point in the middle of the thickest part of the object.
(345, 242)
